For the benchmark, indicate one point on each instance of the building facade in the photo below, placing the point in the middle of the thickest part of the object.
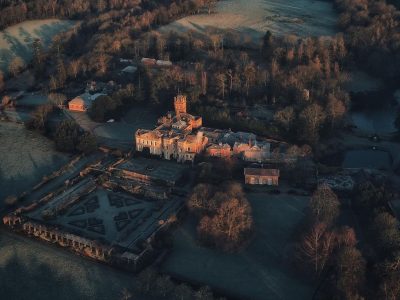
(258, 176)
(174, 137)
(219, 150)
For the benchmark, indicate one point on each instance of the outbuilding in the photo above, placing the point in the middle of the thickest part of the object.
(83, 102)
(261, 176)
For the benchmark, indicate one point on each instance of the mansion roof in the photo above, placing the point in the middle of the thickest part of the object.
(261, 172)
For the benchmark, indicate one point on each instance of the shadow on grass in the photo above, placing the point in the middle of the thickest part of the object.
(35, 280)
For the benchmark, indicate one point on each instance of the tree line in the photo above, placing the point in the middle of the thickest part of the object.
(342, 267)
(158, 286)
(372, 35)
(301, 79)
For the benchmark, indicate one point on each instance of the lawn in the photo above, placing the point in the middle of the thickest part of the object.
(25, 158)
(252, 19)
(259, 272)
(34, 270)
(16, 40)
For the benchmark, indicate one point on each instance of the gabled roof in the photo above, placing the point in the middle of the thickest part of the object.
(86, 99)
(261, 172)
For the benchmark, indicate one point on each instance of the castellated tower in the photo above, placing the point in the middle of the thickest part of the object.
(180, 104)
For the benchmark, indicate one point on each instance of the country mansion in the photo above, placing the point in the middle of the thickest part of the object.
(180, 136)
(174, 137)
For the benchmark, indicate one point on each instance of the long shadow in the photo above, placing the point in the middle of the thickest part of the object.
(6, 56)
(35, 280)
(23, 47)
(17, 47)
(46, 32)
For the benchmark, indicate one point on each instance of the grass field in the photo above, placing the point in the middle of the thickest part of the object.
(253, 18)
(16, 40)
(33, 270)
(25, 158)
(259, 272)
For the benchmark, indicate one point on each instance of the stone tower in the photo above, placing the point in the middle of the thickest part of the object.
(180, 104)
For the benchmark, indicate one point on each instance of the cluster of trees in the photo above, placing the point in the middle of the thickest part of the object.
(225, 217)
(372, 34)
(371, 200)
(103, 108)
(69, 137)
(108, 27)
(12, 12)
(301, 78)
(330, 251)
(153, 284)
(40, 118)
(107, 107)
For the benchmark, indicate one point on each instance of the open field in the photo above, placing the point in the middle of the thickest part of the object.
(30, 269)
(16, 40)
(254, 18)
(25, 158)
(259, 272)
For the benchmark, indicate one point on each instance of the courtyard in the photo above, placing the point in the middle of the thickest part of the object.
(113, 217)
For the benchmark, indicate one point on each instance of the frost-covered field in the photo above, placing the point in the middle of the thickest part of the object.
(255, 17)
(31, 269)
(25, 157)
(259, 272)
(16, 40)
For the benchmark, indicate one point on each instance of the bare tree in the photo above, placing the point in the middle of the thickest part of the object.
(285, 117)
(230, 226)
(249, 76)
(335, 109)
(216, 42)
(199, 199)
(74, 67)
(317, 246)
(57, 99)
(350, 270)
(16, 66)
(221, 84)
(346, 237)
(312, 117)
(102, 63)
(324, 205)
(210, 4)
